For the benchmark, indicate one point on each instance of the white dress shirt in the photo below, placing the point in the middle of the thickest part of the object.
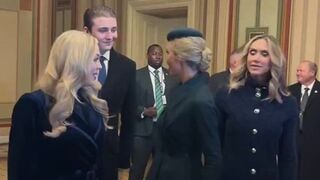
(106, 61)
(303, 89)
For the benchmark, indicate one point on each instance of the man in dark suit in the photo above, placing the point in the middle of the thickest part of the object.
(117, 77)
(307, 92)
(221, 79)
(144, 133)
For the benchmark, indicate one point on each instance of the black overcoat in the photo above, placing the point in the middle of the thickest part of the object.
(308, 139)
(75, 154)
(258, 135)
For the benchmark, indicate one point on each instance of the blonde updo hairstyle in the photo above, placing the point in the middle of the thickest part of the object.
(193, 51)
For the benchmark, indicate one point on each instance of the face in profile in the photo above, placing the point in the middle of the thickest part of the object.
(234, 61)
(304, 74)
(94, 65)
(105, 30)
(172, 61)
(258, 60)
(155, 57)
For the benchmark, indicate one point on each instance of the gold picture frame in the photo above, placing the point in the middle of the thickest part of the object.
(255, 31)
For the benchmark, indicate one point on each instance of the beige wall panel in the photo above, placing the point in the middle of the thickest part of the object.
(44, 34)
(138, 27)
(148, 30)
(295, 45)
(137, 47)
(221, 56)
(10, 4)
(6, 110)
(67, 20)
(311, 30)
(8, 64)
(317, 57)
(268, 15)
(211, 33)
(247, 16)
(24, 68)
(305, 35)
(8, 51)
(82, 5)
(59, 23)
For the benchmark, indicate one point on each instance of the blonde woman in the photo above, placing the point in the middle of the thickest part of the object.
(57, 131)
(188, 126)
(258, 117)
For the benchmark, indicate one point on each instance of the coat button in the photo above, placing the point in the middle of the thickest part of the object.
(254, 131)
(253, 171)
(256, 111)
(258, 94)
(253, 150)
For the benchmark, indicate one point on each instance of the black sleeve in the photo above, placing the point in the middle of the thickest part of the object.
(207, 130)
(127, 117)
(22, 163)
(288, 154)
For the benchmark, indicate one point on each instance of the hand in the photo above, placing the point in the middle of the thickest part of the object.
(150, 112)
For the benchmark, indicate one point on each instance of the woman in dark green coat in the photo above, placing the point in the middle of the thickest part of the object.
(188, 127)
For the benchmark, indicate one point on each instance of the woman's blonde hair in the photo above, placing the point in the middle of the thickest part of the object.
(277, 83)
(68, 71)
(193, 51)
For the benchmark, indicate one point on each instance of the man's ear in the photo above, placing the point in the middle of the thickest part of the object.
(85, 29)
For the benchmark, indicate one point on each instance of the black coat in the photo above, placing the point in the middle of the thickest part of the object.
(258, 135)
(189, 128)
(72, 155)
(119, 92)
(219, 80)
(308, 139)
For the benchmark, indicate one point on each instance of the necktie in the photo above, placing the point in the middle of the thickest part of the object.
(158, 93)
(304, 99)
(303, 104)
(102, 73)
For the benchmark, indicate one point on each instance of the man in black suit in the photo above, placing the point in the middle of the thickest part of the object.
(221, 79)
(144, 133)
(117, 77)
(307, 92)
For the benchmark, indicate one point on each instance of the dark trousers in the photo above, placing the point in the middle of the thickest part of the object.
(143, 147)
(110, 159)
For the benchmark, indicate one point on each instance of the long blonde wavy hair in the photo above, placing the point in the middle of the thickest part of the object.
(277, 84)
(68, 71)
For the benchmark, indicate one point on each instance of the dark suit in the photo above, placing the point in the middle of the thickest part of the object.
(258, 135)
(72, 155)
(308, 139)
(189, 129)
(119, 92)
(219, 80)
(144, 134)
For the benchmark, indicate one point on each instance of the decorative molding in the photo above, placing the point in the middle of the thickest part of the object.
(25, 5)
(254, 31)
(284, 29)
(63, 6)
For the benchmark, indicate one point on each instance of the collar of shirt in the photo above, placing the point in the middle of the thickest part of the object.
(151, 69)
(310, 88)
(107, 55)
